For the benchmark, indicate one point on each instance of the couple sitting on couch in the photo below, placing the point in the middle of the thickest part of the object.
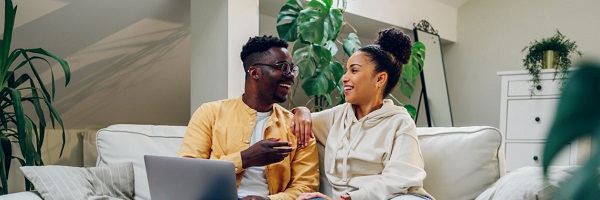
(372, 151)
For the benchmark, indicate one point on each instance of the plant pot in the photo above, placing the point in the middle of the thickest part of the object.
(549, 60)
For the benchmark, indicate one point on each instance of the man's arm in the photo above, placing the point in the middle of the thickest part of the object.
(304, 173)
(198, 135)
(197, 142)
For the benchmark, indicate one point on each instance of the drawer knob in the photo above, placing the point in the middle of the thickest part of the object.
(538, 87)
(535, 158)
(537, 119)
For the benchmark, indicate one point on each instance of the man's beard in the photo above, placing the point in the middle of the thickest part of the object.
(279, 99)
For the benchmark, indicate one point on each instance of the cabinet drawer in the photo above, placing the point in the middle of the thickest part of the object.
(530, 154)
(522, 88)
(529, 118)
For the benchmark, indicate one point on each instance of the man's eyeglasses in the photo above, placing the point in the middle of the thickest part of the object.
(288, 69)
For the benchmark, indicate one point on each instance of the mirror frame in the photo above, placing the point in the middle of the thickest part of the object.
(437, 106)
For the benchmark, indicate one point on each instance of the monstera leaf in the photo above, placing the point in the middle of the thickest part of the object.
(324, 81)
(287, 25)
(351, 44)
(412, 69)
(577, 116)
(310, 57)
(319, 23)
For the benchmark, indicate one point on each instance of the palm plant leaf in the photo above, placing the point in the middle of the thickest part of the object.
(29, 86)
(9, 22)
(64, 65)
(5, 152)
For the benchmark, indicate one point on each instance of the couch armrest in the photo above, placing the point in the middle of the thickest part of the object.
(29, 195)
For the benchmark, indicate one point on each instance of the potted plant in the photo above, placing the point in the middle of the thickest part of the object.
(552, 52)
(22, 87)
(315, 30)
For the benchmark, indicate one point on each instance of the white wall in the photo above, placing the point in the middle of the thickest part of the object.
(491, 35)
(404, 13)
(219, 30)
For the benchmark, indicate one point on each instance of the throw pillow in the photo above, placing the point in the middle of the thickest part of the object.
(64, 182)
(527, 183)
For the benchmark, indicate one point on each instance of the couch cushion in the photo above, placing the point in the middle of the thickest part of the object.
(461, 162)
(75, 183)
(527, 183)
(27, 195)
(129, 143)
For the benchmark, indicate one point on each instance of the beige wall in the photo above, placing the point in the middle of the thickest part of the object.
(129, 60)
(491, 35)
(130, 63)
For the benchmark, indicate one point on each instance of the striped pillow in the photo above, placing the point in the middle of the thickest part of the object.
(63, 182)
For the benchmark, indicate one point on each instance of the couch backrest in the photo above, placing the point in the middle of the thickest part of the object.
(129, 143)
(460, 162)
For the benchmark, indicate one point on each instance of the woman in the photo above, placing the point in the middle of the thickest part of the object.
(371, 146)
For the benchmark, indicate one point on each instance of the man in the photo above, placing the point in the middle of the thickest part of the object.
(235, 129)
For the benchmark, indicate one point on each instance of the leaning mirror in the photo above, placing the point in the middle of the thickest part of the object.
(433, 78)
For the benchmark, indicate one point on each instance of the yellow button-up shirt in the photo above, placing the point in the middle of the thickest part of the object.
(222, 129)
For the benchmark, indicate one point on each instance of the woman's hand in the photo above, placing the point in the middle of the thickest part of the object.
(302, 126)
(345, 197)
(307, 196)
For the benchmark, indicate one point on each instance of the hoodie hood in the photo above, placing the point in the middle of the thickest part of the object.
(387, 110)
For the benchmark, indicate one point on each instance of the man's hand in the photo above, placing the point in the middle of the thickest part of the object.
(253, 197)
(302, 126)
(265, 152)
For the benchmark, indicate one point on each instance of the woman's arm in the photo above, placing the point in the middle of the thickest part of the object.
(301, 125)
(306, 125)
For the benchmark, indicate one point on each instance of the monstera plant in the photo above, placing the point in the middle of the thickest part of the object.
(22, 87)
(315, 30)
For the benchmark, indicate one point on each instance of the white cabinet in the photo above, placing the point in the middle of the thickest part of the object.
(526, 118)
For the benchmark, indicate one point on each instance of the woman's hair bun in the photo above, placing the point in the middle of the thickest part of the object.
(394, 41)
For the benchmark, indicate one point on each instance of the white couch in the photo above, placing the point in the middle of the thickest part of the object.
(461, 162)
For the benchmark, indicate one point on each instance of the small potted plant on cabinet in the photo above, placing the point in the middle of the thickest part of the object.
(552, 52)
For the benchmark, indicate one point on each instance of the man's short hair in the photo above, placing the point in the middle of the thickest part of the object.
(256, 48)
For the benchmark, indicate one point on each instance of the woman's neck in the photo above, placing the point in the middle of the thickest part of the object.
(361, 110)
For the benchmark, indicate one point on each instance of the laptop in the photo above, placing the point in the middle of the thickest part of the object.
(190, 178)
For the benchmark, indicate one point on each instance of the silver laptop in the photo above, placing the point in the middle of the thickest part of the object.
(190, 178)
